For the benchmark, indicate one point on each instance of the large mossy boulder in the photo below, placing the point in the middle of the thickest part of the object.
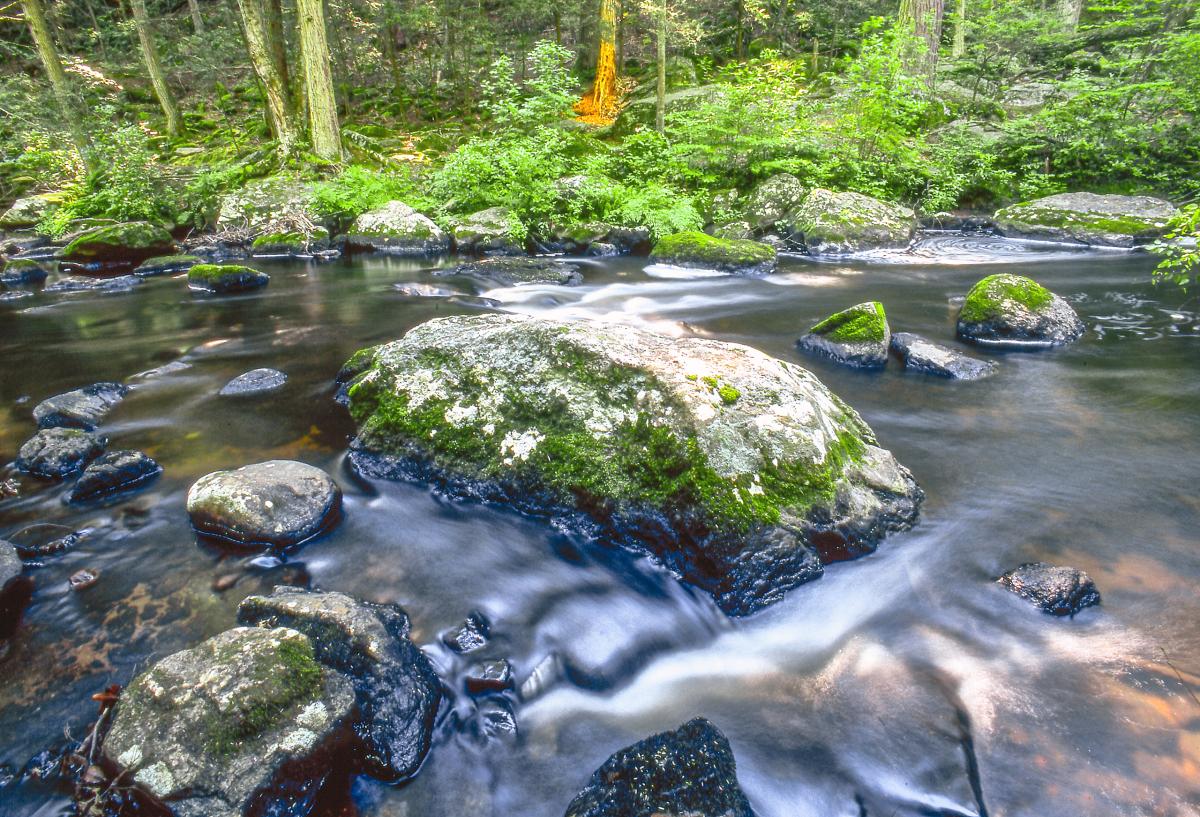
(858, 336)
(1011, 310)
(830, 223)
(488, 232)
(396, 688)
(28, 211)
(241, 724)
(226, 278)
(1088, 218)
(690, 771)
(741, 472)
(700, 250)
(129, 243)
(773, 200)
(397, 229)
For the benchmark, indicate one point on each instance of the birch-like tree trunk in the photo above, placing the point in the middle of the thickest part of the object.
(318, 81)
(265, 47)
(1071, 11)
(197, 20)
(960, 31)
(39, 28)
(660, 95)
(158, 78)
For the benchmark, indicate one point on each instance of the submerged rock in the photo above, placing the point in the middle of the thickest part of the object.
(16, 590)
(509, 272)
(255, 381)
(22, 271)
(130, 242)
(488, 232)
(700, 250)
(469, 636)
(1011, 310)
(276, 503)
(85, 283)
(834, 223)
(689, 772)
(56, 453)
(232, 726)
(82, 408)
(489, 676)
(115, 472)
(396, 688)
(1088, 218)
(397, 229)
(1059, 591)
(731, 466)
(226, 278)
(858, 336)
(166, 265)
(921, 355)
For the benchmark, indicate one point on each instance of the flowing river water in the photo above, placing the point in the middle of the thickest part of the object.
(904, 683)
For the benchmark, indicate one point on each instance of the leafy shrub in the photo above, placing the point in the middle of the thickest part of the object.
(1180, 252)
(358, 189)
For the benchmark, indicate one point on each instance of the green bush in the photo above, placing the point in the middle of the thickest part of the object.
(358, 189)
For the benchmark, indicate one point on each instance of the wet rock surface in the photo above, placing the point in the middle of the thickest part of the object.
(512, 271)
(166, 265)
(1059, 591)
(1088, 218)
(469, 636)
(20, 271)
(489, 676)
(255, 381)
(85, 283)
(396, 688)
(113, 473)
(830, 223)
(82, 408)
(275, 503)
(690, 771)
(16, 590)
(230, 727)
(1011, 310)
(56, 453)
(857, 337)
(397, 229)
(223, 278)
(921, 355)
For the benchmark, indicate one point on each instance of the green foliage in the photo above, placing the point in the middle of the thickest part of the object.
(358, 189)
(546, 96)
(1180, 251)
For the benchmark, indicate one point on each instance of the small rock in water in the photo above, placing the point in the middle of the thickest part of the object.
(226, 582)
(83, 408)
(1059, 591)
(82, 283)
(489, 676)
(858, 336)
(496, 719)
(83, 579)
(45, 539)
(470, 635)
(690, 771)
(255, 381)
(56, 453)
(276, 503)
(1018, 312)
(921, 355)
(22, 271)
(418, 290)
(505, 271)
(222, 278)
(166, 265)
(16, 590)
(115, 472)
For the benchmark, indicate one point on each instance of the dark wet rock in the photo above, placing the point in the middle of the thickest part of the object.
(1059, 591)
(291, 243)
(494, 718)
(488, 232)
(131, 243)
(233, 726)
(276, 503)
(690, 771)
(28, 211)
(703, 251)
(220, 252)
(858, 336)
(82, 408)
(255, 381)
(56, 453)
(921, 355)
(830, 223)
(396, 688)
(397, 229)
(226, 278)
(629, 240)
(22, 271)
(45, 539)
(115, 472)
(754, 466)
(489, 676)
(602, 249)
(26, 245)
(469, 636)
(773, 200)
(507, 272)
(16, 590)
(1088, 218)
(166, 265)
(83, 579)
(87, 283)
(1011, 310)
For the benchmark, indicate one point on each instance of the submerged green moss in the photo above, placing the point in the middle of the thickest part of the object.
(211, 273)
(863, 323)
(987, 299)
(137, 235)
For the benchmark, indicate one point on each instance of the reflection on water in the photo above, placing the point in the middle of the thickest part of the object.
(906, 683)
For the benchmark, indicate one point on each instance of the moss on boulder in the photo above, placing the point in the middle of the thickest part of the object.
(858, 336)
(831, 223)
(1013, 310)
(129, 242)
(397, 229)
(226, 278)
(492, 231)
(697, 249)
(291, 242)
(22, 271)
(28, 211)
(1088, 218)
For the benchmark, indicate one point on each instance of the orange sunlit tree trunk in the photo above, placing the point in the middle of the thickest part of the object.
(600, 104)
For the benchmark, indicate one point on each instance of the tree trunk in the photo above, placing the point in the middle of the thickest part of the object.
(660, 95)
(739, 47)
(197, 20)
(600, 104)
(39, 28)
(158, 78)
(924, 19)
(318, 81)
(1071, 11)
(960, 31)
(265, 47)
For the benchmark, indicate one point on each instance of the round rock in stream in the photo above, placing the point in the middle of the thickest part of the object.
(1059, 591)
(857, 337)
(231, 726)
(1011, 310)
(690, 771)
(275, 503)
(115, 472)
(222, 278)
(255, 381)
(741, 472)
(55, 453)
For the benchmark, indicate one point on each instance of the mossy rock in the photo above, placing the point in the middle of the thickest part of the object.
(858, 336)
(165, 265)
(397, 229)
(1012, 310)
(830, 223)
(28, 211)
(731, 466)
(489, 232)
(226, 278)
(697, 249)
(291, 243)
(1088, 218)
(773, 200)
(22, 271)
(129, 242)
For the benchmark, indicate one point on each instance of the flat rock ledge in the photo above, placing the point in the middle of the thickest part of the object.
(507, 271)
(1017, 312)
(1059, 591)
(1088, 218)
(690, 771)
(740, 472)
(857, 337)
(278, 503)
(921, 355)
(116, 472)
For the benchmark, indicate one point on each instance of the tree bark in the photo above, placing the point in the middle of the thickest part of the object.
(197, 20)
(960, 31)
(318, 81)
(1071, 11)
(39, 28)
(158, 78)
(601, 102)
(265, 47)
(924, 19)
(660, 95)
